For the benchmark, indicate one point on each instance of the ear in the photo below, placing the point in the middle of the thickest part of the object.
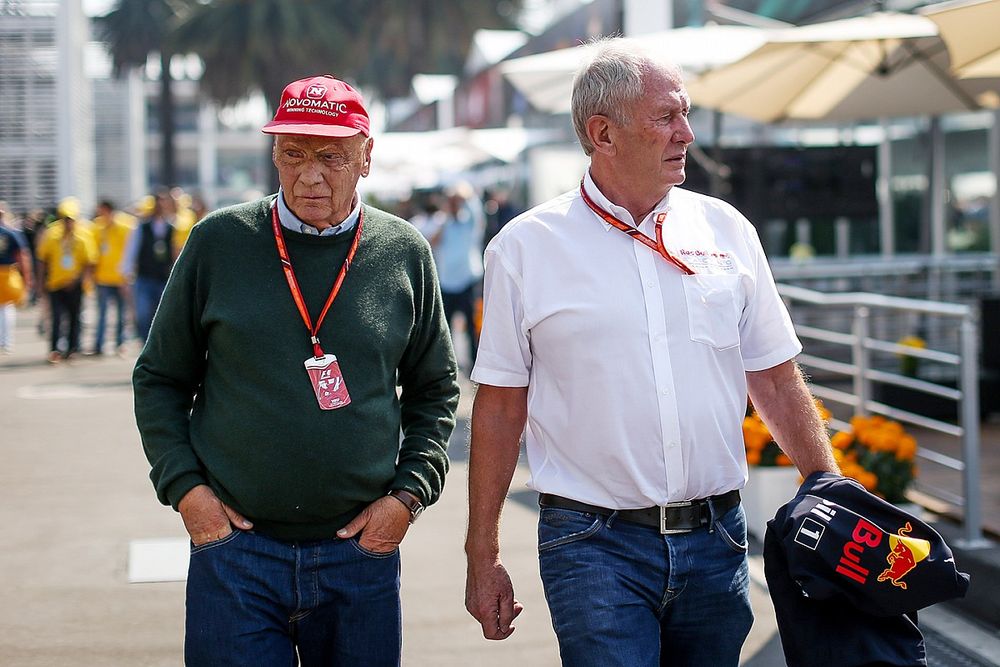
(600, 131)
(367, 164)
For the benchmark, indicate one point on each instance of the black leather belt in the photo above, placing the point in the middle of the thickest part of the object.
(682, 517)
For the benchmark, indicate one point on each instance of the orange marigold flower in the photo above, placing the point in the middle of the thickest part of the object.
(842, 440)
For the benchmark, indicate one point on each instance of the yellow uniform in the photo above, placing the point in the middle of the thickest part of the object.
(110, 236)
(183, 223)
(65, 259)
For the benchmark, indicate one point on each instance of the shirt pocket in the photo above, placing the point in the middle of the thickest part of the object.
(713, 312)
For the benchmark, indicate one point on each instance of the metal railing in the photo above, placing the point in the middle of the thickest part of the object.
(956, 278)
(847, 356)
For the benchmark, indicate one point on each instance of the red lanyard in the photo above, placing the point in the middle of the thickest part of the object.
(636, 235)
(293, 284)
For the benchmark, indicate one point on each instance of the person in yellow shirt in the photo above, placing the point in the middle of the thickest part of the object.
(184, 219)
(67, 256)
(111, 229)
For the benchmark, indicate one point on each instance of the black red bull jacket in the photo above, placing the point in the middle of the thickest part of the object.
(847, 573)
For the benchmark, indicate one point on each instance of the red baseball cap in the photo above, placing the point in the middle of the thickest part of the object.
(320, 106)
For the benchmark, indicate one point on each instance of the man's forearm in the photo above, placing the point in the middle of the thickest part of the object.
(785, 404)
(498, 418)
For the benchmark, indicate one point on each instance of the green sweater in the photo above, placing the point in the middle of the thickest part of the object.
(222, 397)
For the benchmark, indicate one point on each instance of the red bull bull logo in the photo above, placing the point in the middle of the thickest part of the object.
(905, 552)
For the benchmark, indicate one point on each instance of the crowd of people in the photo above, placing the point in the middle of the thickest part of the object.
(59, 258)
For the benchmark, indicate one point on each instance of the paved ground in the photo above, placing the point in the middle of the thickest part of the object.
(74, 493)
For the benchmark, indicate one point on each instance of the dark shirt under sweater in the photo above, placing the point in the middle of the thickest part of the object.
(222, 396)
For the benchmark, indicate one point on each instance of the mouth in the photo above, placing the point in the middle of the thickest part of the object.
(677, 160)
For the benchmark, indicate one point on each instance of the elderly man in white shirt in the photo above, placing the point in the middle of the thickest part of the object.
(624, 324)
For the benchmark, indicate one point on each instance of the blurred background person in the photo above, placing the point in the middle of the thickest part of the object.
(67, 255)
(149, 256)
(111, 231)
(499, 211)
(185, 218)
(456, 237)
(15, 277)
(32, 224)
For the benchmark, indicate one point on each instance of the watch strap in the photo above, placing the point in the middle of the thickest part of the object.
(410, 501)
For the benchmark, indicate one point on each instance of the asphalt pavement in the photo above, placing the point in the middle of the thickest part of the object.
(74, 495)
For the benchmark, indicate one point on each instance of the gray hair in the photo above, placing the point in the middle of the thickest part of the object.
(610, 82)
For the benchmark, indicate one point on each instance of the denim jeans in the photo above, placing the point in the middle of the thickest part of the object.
(105, 295)
(147, 297)
(622, 594)
(253, 600)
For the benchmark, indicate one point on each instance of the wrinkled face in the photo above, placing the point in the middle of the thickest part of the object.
(652, 145)
(318, 175)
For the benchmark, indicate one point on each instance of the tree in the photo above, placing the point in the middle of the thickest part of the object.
(400, 38)
(265, 44)
(133, 30)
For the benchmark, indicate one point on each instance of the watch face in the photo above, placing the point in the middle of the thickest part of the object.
(416, 512)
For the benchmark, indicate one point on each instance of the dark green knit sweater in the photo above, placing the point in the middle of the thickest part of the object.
(222, 397)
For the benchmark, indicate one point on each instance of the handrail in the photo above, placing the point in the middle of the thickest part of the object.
(874, 300)
(860, 343)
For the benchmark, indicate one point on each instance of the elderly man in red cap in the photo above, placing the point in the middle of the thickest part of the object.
(266, 397)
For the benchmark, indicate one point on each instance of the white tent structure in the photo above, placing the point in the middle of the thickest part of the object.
(546, 79)
(402, 161)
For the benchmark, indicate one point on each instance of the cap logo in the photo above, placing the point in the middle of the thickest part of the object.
(316, 92)
(320, 106)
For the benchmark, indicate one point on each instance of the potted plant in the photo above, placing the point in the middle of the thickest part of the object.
(773, 480)
(880, 454)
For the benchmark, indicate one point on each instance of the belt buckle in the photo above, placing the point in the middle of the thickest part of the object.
(663, 518)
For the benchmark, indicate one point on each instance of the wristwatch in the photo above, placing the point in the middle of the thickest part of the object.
(410, 501)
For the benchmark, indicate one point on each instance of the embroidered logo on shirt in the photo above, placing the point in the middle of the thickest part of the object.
(708, 261)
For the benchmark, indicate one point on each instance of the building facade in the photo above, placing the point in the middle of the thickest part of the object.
(46, 113)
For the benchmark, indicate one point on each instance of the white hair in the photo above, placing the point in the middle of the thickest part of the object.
(610, 82)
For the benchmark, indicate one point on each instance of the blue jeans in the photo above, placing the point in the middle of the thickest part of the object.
(622, 594)
(147, 297)
(253, 600)
(105, 295)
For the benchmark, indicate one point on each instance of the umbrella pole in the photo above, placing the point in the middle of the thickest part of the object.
(994, 162)
(938, 187)
(886, 212)
(936, 201)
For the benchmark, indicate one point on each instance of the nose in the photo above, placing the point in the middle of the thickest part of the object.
(683, 134)
(311, 173)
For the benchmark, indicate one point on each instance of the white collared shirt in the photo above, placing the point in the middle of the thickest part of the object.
(291, 221)
(635, 371)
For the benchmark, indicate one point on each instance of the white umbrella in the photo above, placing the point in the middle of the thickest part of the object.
(971, 29)
(884, 64)
(546, 79)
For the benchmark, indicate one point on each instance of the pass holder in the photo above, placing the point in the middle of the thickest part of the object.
(327, 382)
(323, 369)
